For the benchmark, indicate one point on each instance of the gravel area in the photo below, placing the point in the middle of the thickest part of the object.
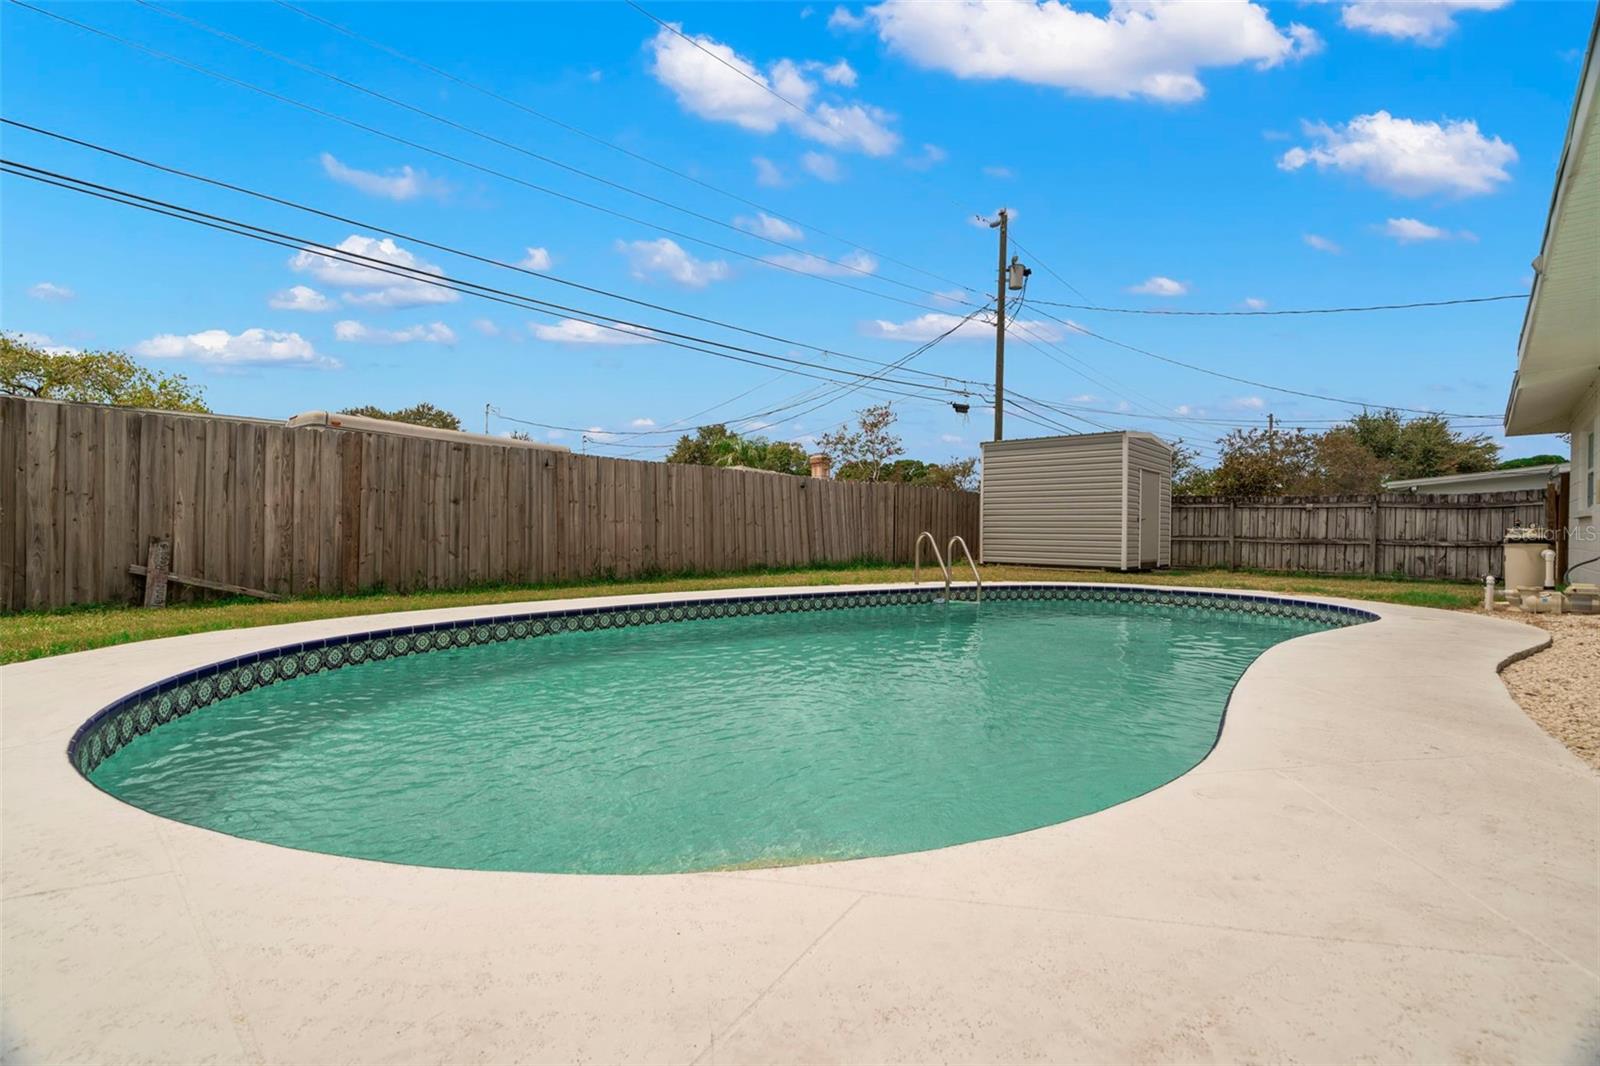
(1560, 687)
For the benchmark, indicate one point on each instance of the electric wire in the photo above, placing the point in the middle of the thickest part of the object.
(437, 246)
(512, 146)
(1288, 311)
(461, 161)
(1367, 404)
(619, 148)
(444, 281)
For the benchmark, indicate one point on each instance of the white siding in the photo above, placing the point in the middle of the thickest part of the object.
(1148, 453)
(1583, 544)
(1060, 501)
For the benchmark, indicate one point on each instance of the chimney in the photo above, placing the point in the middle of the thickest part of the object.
(821, 465)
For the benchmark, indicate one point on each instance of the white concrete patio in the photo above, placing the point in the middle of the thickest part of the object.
(1382, 860)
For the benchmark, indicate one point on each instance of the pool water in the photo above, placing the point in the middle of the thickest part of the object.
(743, 741)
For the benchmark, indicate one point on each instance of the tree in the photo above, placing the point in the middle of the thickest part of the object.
(715, 445)
(700, 449)
(1260, 462)
(1189, 478)
(959, 474)
(1422, 447)
(91, 377)
(866, 448)
(421, 414)
(1355, 457)
(1532, 460)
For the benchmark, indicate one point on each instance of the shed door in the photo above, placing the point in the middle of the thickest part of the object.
(1149, 519)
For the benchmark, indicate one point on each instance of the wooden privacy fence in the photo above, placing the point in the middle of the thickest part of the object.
(1390, 533)
(84, 489)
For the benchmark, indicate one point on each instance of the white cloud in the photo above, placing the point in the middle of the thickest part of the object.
(764, 225)
(536, 259)
(821, 166)
(300, 298)
(46, 343)
(768, 175)
(381, 289)
(845, 19)
(573, 331)
(1424, 23)
(643, 423)
(1160, 286)
(1254, 303)
(1085, 397)
(838, 73)
(1409, 230)
(1321, 244)
(849, 263)
(50, 292)
(486, 327)
(999, 172)
(933, 324)
(930, 156)
(951, 438)
(1406, 156)
(355, 332)
(1137, 48)
(1246, 403)
(666, 258)
(251, 347)
(713, 81)
(403, 183)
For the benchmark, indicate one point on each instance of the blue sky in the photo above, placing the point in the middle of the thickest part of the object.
(1188, 156)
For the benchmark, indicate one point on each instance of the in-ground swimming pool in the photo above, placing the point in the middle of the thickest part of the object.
(781, 730)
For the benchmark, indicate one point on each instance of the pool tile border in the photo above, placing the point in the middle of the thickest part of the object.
(120, 722)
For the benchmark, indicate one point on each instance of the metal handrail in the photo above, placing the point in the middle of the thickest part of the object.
(950, 550)
(916, 563)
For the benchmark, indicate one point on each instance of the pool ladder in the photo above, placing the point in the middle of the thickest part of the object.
(950, 551)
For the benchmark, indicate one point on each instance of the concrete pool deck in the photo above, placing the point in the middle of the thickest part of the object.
(1383, 859)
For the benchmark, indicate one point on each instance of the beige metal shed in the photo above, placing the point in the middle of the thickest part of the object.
(1100, 500)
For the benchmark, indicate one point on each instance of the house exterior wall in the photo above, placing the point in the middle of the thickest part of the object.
(1522, 479)
(1583, 544)
(1070, 500)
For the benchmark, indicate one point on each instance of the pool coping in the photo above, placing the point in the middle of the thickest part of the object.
(1414, 693)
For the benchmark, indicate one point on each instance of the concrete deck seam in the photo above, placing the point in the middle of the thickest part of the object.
(729, 1029)
(236, 1012)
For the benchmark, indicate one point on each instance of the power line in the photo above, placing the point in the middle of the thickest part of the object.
(746, 75)
(459, 160)
(437, 246)
(1048, 269)
(1248, 381)
(622, 149)
(511, 145)
(1293, 311)
(444, 281)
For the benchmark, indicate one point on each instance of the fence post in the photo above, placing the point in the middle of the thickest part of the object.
(1372, 551)
(1233, 534)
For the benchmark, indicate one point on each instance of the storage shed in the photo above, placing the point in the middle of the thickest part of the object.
(1101, 500)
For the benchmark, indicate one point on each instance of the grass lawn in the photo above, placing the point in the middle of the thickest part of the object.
(34, 635)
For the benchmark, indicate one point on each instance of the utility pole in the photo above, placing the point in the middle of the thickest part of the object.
(486, 419)
(1000, 332)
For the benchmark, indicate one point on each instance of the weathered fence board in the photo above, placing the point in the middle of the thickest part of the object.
(1393, 533)
(243, 502)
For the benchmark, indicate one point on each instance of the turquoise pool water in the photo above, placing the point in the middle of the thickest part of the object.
(722, 742)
